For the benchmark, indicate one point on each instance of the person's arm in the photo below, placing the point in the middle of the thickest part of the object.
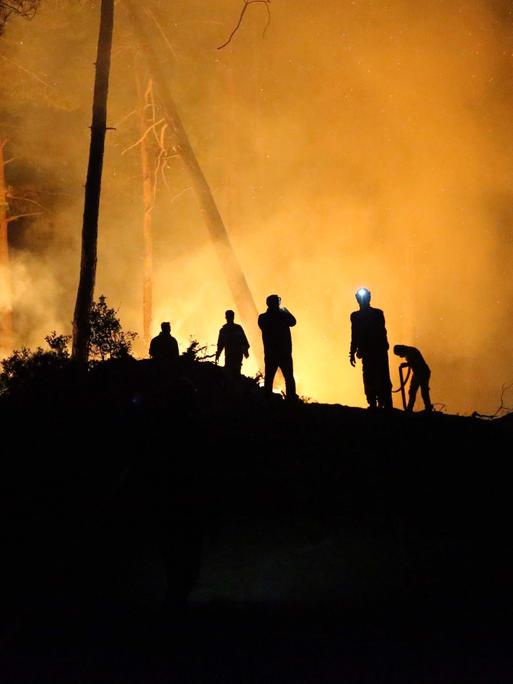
(290, 318)
(245, 344)
(353, 347)
(385, 338)
(176, 351)
(220, 344)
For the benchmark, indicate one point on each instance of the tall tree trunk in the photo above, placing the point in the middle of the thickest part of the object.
(6, 336)
(218, 233)
(148, 173)
(85, 293)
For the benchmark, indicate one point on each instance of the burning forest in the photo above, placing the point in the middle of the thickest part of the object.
(253, 148)
(192, 188)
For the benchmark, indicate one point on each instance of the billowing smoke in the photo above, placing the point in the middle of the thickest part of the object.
(359, 143)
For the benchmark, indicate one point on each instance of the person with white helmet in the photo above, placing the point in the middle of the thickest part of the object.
(370, 344)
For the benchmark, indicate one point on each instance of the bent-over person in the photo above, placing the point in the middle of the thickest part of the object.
(420, 375)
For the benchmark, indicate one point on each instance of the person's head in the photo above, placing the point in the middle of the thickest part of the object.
(165, 326)
(363, 297)
(273, 301)
(400, 350)
(229, 315)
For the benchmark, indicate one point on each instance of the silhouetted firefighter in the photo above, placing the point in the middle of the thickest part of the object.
(275, 325)
(232, 339)
(370, 344)
(164, 347)
(420, 378)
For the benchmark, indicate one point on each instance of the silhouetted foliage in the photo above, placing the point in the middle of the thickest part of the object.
(196, 352)
(25, 368)
(107, 341)
(22, 8)
(58, 344)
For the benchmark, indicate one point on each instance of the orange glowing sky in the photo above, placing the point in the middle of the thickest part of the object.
(356, 143)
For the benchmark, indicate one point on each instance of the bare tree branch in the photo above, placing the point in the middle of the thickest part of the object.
(503, 406)
(26, 71)
(9, 161)
(178, 194)
(502, 410)
(23, 8)
(25, 199)
(10, 219)
(161, 157)
(157, 23)
(247, 3)
(138, 142)
(124, 118)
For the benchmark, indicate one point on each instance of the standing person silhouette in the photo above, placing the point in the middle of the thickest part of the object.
(370, 344)
(164, 347)
(420, 378)
(275, 325)
(232, 339)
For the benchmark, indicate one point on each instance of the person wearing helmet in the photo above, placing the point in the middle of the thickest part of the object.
(370, 344)
(275, 325)
(420, 378)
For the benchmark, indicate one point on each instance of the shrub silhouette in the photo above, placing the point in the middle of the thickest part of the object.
(108, 341)
(25, 369)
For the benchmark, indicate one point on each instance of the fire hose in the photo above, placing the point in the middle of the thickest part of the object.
(403, 381)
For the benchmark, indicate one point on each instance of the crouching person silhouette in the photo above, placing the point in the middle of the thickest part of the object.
(420, 375)
(232, 339)
(275, 325)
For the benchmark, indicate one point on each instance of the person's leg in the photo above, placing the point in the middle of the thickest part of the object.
(233, 363)
(369, 380)
(271, 366)
(412, 394)
(384, 383)
(424, 390)
(287, 368)
(387, 384)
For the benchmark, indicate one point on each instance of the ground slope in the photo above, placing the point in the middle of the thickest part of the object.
(181, 524)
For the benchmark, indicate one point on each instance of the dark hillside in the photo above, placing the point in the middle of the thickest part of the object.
(159, 525)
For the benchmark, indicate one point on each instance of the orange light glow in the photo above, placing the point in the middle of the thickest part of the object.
(362, 142)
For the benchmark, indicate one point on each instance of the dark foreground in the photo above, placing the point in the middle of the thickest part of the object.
(186, 530)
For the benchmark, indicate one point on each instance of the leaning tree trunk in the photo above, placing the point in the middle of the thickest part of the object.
(218, 233)
(5, 275)
(81, 327)
(148, 173)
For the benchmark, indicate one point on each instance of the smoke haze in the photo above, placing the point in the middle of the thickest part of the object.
(356, 143)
